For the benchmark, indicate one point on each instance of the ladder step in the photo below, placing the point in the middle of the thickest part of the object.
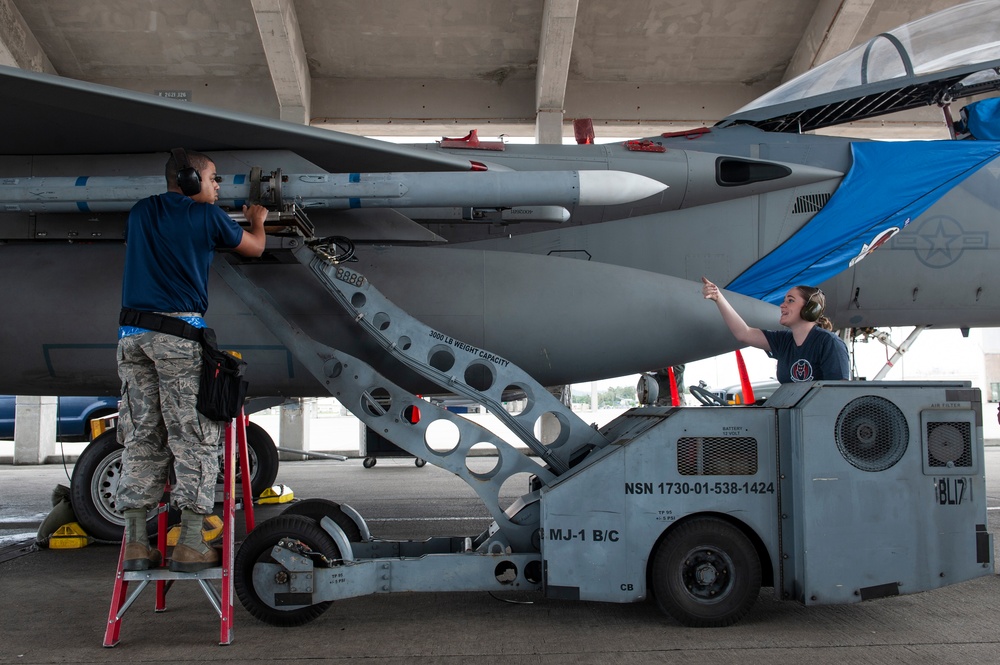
(157, 574)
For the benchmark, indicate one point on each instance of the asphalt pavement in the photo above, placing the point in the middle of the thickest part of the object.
(55, 602)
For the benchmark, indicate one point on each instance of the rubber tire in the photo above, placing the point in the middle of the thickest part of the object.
(369, 462)
(317, 509)
(257, 548)
(98, 470)
(93, 486)
(263, 459)
(722, 547)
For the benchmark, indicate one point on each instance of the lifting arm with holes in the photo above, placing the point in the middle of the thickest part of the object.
(352, 382)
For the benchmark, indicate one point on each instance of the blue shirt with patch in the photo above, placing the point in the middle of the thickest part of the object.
(170, 243)
(823, 356)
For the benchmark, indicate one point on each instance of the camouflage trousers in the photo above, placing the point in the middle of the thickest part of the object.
(160, 426)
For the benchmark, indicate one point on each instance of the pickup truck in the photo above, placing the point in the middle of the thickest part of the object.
(73, 416)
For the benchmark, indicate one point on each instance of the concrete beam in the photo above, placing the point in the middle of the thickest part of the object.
(18, 46)
(554, 51)
(549, 127)
(286, 57)
(451, 108)
(832, 30)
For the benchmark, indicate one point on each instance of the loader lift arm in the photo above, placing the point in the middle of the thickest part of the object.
(390, 410)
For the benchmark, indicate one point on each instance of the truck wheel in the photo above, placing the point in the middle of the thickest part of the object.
(706, 573)
(256, 549)
(317, 509)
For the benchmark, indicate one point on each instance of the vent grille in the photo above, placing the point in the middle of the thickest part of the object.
(717, 456)
(872, 433)
(810, 203)
(949, 444)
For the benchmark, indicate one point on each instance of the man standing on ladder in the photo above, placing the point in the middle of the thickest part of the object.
(171, 239)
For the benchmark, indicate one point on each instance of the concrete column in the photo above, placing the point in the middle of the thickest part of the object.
(293, 429)
(34, 429)
(548, 127)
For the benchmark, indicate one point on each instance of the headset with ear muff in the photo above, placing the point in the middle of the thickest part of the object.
(188, 178)
(813, 309)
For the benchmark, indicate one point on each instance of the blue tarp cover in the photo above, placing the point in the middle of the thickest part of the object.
(889, 185)
(984, 119)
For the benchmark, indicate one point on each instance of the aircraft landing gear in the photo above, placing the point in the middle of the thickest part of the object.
(97, 473)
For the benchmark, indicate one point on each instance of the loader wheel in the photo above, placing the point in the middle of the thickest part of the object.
(257, 549)
(317, 509)
(706, 573)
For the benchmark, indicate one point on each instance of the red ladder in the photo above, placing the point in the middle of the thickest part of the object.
(164, 577)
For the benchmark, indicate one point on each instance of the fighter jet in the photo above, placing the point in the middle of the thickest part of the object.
(574, 267)
(573, 262)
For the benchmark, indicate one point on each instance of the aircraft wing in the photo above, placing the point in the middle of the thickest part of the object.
(51, 115)
(949, 55)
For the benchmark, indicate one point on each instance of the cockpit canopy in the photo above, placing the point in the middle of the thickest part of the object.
(946, 56)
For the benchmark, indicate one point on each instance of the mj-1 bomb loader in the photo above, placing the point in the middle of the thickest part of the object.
(833, 492)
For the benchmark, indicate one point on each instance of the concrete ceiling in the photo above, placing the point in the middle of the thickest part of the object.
(442, 67)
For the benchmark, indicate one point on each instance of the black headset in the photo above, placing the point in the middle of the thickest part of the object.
(812, 310)
(188, 178)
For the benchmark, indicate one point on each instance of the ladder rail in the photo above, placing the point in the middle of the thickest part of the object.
(222, 599)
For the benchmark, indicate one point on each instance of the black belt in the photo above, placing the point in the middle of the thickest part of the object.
(170, 325)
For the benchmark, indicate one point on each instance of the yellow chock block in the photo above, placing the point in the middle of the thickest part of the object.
(99, 426)
(276, 494)
(69, 537)
(211, 528)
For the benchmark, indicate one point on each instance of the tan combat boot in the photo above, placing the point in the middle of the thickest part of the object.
(138, 554)
(192, 553)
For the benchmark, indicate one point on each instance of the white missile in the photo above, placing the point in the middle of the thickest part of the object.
(485, 189)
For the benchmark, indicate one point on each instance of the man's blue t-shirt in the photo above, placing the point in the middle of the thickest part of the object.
(823, 356)
(169, 246)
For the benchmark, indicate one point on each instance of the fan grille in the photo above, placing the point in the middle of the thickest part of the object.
(872, 433)
(949, 444)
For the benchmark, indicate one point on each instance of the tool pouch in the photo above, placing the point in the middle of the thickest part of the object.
(223, 387)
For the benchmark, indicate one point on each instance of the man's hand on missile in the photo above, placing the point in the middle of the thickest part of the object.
(255, 214)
